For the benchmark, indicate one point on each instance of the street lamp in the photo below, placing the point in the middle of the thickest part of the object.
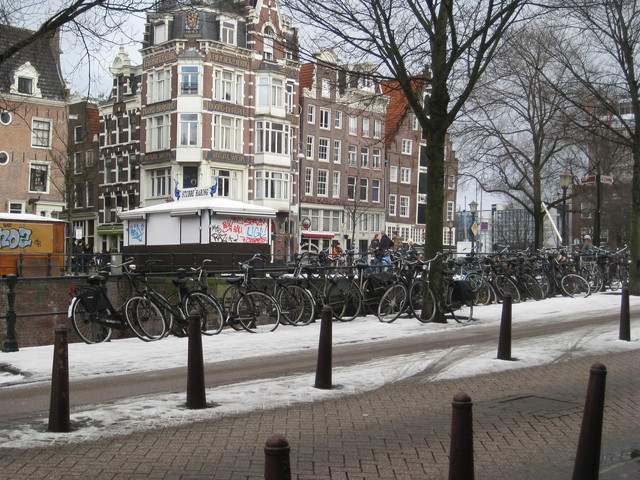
(473, 207)
(299, 239)
(565, 181)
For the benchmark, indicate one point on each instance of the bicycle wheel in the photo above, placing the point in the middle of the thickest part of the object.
(344, 298)
(392, 303)
(257, 312)
(534, 289)
(595, 280)
(575, 286)
(211, 315)
(296, 305)
(614, 282)
(86, 324)
(481, 289)
(422, 301)
(229, 299)
(504, 285)
(145, 319)
(463, 314)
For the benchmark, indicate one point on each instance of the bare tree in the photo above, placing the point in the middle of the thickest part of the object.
(448, 43)
(602, 51)
(517, 134)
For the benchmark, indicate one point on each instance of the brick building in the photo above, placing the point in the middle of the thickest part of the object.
(33, 126)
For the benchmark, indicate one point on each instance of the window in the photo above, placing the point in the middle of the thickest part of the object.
(228, 86)
(325, 118)
(404, 206)
(89, 193)
(353, 125)
(393, 199)
(273, 185)
(323, 181)
(38, 178)
(376, 158)
(377, 128)
(331, 221)
(41, 133)
(366, 127)
(289, 96)
(450, 211)
(375, 190)
(4, 158)
(226, 182)
(159, 33)
(228, 32)
(326, 88)
(337, 151)
(335, 185)
(308, 181)
(273, 138)
(311, 114)
(364, 157)
(189, 177)
(227, 133)
(337, 120)
(270, 92)
(110, 171)
(353, 156)
(158, 132)
(88, 158)
(16, 207)
(188, 129)
(323, 149)
(78, 194)
(188, 80)
(310, 141)
(159, 179)
(393, 173)
(268, 43)
(405, 175)
(351, 188)
(77, 162)
(407, 146)
(25, 85)
(415, 125)
(451, 182)
(5, 118)
(364, 189)
(77, 134)
(158, 86)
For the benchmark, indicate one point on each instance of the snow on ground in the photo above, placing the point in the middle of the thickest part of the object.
(134, 356)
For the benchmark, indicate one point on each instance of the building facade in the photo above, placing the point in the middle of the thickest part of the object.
(33, 126)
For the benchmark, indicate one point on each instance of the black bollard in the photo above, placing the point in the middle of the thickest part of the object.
(504, 342)
(59, 418)
(461, 454)
(625, 320)
(277, 465)
(323, 367)
(587, 462)
(196, 395)
(10, 342)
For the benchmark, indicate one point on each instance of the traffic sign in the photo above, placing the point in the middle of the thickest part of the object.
(474, 228)
(592, 179)
(588, 179)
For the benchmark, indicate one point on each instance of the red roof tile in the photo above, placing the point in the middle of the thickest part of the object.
(305, 76)
(398, 106)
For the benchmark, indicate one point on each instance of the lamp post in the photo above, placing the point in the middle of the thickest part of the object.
(565, 181)
(299, 239)
(473, 207)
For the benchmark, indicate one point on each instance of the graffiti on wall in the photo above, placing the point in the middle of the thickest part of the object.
(136, 233)
(239, 230)
(15, 238)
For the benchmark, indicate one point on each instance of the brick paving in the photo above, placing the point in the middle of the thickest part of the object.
(526, 427)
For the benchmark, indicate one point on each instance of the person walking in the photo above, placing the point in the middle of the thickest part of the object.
(78, 251)
(87, 251)
(375, 243)
(397, 241)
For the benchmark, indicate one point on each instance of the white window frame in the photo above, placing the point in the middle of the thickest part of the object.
(405, 175)
(267, 43)
(308, 181)
(337, 120)
(393, 173)
(352, 156)
(41, 167)
(311, 114)
(376, 158)
(189, 80)
(337, 151)
(375, 190)
(310, 148)
(228, 29)
(158, 131)
(41, 129)
(270, 91)
(189, 124)
(352, 184)
(450, 211)
(273, 137)
(363, 187)
(227, 133)
(228, 86)
(335, 184)
(407, 146)
(159, 85)
(366, 127)
(404, 206)
(324, 121)
(393, 204)
(377, 128)
(323, 149)
(160, 33)
(323, 183)
(159, 182)
(271, 185)
(353, 125)
(364, 157)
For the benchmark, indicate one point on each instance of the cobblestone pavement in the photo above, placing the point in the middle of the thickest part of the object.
(526, 426)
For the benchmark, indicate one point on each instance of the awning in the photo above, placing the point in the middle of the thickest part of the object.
(317, 235)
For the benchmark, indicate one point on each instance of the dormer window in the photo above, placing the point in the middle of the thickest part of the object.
(25, 85)
(228, 32)
(160, 33)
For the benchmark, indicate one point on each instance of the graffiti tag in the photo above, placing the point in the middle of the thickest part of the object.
(15, 238)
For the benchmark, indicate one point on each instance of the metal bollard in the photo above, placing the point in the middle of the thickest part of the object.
(504, 341)
(625, 320)
(277, 465)
(10, 342)
(323, 367)
(587, 464)
(196, 395)
(59, 417)
(461, 452)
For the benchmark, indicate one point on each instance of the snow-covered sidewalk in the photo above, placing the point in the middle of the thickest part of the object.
(134, 356)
